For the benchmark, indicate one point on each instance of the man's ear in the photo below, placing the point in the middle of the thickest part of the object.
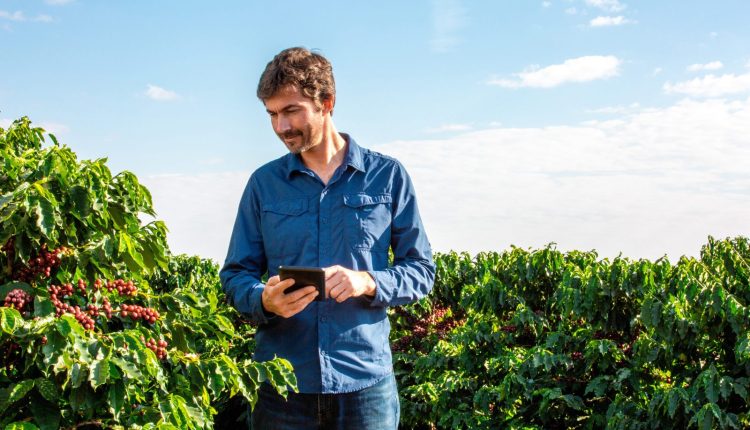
(328, 105)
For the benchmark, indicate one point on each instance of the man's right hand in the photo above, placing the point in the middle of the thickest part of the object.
(286, 305)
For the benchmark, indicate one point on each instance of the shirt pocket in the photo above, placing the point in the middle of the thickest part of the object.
(368, 220)
(286, 227)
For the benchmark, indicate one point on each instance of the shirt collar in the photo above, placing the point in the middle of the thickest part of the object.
(352, 158)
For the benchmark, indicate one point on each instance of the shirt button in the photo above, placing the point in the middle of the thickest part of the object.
(323, 319)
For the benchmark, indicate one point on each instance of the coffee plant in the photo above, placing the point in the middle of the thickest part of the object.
(101, 327)
(549, 340)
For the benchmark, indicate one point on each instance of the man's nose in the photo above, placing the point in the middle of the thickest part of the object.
(282, 124)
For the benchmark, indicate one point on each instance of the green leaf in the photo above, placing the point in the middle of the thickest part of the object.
(130, 370)
(99, 373)
(77, 375)
(42, 306)
(173, 410)
(46, 219)
(81, 202)
(46, 414)
(116, 397)
(223, 324)
(19, 390)
(740, 390)
(598, 386)
(47, 389)
(21, 425)
(10, 320)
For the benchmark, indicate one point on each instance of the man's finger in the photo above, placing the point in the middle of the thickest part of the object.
(345, 294)
(297, 306)
(279, 285)
(331, 284)
(298, 294)
(330, 271)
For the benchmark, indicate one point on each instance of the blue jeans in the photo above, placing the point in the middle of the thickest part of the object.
(372, 408)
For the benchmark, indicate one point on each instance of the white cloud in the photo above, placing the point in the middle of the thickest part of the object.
(713, 34)
(449, 127)
(448, 17)
(160, 94)
(713, 65)
(5, 122)
(58, 2)
(14, 16)
(617, 109)
(609, 21)
(653, 182)
(55, 128)
(19, 16)
(607, 5)
(711, 85)
(571, 11)
(582, 69)
(546, 4)
(198, 229)
(657, 70)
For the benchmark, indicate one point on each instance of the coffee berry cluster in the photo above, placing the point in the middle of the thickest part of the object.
(136, 312)
(124, 288)
(159, 347)
(87, 317)
(41, 265)
(20, 300)
(439, 322)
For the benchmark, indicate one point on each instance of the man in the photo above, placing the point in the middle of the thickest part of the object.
(333, 204)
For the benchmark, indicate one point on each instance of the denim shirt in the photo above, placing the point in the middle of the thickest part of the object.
(288, 216)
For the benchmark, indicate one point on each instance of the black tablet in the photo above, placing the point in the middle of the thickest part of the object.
(304, 276)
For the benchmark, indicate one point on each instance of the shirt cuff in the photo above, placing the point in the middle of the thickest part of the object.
(384, 287)
(258, 313)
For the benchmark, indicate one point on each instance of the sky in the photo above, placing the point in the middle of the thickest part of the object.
(608, 125)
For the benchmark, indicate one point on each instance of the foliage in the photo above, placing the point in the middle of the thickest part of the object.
(102, 327)
(545, 339)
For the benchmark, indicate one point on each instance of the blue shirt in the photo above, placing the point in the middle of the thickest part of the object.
(288, 216)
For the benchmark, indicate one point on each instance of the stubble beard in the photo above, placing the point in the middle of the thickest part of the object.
(308, 140)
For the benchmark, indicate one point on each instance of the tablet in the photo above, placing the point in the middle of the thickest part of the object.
(304, 276)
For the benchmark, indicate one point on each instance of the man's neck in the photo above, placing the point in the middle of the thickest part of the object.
(327, 156)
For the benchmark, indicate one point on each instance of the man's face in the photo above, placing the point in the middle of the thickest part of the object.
(296, 119)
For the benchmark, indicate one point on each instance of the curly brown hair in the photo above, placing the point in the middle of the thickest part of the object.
(309, 71)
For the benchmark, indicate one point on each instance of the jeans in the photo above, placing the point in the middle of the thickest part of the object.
(372, 408)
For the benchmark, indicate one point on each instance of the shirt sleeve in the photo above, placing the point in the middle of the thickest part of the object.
(246, 260)
(412, 274)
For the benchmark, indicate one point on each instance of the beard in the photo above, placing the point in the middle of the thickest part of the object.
(298, 141)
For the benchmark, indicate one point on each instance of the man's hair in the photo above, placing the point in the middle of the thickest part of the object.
(309, 71)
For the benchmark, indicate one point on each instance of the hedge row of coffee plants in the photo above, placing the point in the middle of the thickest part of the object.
(99, 326)
(549, 340)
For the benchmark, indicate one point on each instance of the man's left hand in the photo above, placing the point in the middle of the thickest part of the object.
(342, 283)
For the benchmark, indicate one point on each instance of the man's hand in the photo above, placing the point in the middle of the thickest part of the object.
(286, 305)
(342, 283)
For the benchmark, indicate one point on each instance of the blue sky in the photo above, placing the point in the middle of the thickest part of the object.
(621, 126)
